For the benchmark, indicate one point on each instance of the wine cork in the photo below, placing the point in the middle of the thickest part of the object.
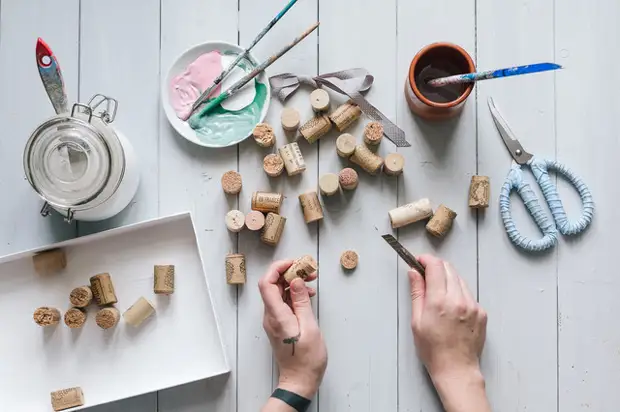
(264, 135)
(293, 159)
(235, 221)
(81, 297)
(231, 182)
(107, 317)
(267, 202)
(255, 220)
(345, 115)
(373, 133)
(138, 312)
(311, 207)
(479, 192)
(75, 318)
(410, 213)
(50, 261)
(273, 165)
(103, 289)
(394, 164)
(329, 184)
(272, 232)
(348, 178)
(45, 316)
(441, 222)
(349, 259)
(235, 269)
(319, 99)
(67, 398)
(163, 279)
(368, 160)
(290, 119)
(315, 128)
(345, 145)
(301, 268)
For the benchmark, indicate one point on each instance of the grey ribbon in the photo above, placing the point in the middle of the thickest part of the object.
(351, 83)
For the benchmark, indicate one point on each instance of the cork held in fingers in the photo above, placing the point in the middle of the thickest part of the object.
(345, 145)
(75, 318)
(267, 202)
(231, 182)
(45, 316)
(373, 133)
(50, 261)
(441, 222)
(264, 135)
(163, 283)
(348, 178)
(410, 213)
(311, 207)
(235, 269)
(67, 398)
(139, 312)
(479, 192)
(272, 232)
(293, 159)
(103, 289)
(301, 268)
(316, 128)
(367, 160)
(81, 297)
(345, 115)
(273, 165)
(108, 317)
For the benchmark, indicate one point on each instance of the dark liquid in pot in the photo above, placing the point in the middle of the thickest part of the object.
(443, 94)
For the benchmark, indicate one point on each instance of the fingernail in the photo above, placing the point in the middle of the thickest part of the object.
(298, 285)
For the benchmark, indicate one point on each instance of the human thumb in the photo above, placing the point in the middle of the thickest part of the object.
(301, 301)
(418, 291)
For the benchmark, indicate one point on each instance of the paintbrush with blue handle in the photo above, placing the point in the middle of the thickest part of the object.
(493, 74)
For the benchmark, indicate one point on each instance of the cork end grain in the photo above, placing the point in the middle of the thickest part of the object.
(319, 100)
(107, 318)
(75, 318)
(373, 133)
(81, 297)
(255, 220)
(345, 145)
(45, 316)
(349, 259)
(348, 178)
(264, 135)
(273, 165)
(232, 182)
(290, 119)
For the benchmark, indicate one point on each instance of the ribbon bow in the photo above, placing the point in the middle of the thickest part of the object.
(351, 83)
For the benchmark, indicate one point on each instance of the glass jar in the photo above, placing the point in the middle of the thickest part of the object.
(80, 165)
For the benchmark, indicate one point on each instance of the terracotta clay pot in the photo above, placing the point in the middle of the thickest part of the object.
(455, 60)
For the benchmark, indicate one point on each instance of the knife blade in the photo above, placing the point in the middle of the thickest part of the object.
(404, 254)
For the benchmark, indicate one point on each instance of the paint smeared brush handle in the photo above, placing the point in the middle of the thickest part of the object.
(51, 76)
(493, 74)
(258, 70)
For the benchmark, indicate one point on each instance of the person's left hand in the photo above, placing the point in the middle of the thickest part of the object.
(293, 331)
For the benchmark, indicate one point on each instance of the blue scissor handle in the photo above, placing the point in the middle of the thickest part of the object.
(515, 181)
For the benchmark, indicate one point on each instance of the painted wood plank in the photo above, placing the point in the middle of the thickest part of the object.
(587, 141)
(359, 309)
(517, 289)
(23, 105)
(119, 57)
(119, 52)
(256, 370)
(438, 166)
(190, 180)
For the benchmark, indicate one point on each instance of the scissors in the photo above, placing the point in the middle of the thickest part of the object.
(540, 169)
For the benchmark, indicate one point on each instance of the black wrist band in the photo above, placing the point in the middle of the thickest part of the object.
(299, 403)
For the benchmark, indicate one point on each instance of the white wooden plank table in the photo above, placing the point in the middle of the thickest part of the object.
(553, 338)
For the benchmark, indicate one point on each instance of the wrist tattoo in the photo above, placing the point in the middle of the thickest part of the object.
(292, 341)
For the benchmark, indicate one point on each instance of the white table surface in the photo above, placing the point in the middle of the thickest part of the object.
(553, 336)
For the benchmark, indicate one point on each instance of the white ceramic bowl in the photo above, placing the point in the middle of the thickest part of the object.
(230, 51)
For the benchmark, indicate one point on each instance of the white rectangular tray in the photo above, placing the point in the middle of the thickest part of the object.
(180, 344)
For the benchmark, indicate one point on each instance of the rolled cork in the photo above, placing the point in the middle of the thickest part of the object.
(67, 398)
(479, 192)
(319, 99)
(394, 164)
(329, 184)
(75, 318)
(45, 316)
(255, 220)
(345, 145)
(267, 202)
(290, 119)
(163, 279)
(231, 182)
(315, 128)
(235, 221)
(235, 269)
(348, 178)
(138, 312)
(365, 158)
(373, 133)
(272, 232)
(81, 297)
(273, 165)
(293, 159)
(107, 317)
(103, 289)
(345, 115)
(264, 135)
(311, 207)
(349, 259)
(50, 261)
(410, 213)
(441, 222)
(301, 268)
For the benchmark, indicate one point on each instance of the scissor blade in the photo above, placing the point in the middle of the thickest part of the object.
(517, 151)
(404, 254)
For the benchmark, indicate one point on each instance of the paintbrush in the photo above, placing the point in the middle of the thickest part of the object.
(258, 70)
(493, 74)
(241, 56)
(404, 254)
